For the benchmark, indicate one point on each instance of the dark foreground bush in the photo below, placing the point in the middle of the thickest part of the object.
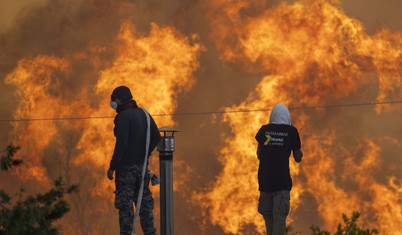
(32, 215)
(349, 228)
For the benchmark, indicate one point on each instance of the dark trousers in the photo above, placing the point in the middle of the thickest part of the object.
(274, 206)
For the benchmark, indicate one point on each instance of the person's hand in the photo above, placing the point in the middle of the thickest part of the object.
(110, 174)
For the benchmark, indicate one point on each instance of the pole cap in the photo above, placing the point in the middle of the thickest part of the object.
(166, 129)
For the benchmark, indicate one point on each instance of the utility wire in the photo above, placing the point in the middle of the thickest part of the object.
(208, 113)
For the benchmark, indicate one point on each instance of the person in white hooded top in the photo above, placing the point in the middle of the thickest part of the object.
(276, 141)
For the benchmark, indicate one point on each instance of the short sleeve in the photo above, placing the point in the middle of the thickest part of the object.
(295, 143)
(260, 136)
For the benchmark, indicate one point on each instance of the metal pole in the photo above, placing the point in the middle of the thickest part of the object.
(166, 148)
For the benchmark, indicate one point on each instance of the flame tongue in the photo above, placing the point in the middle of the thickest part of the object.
(313, 52)
(33, 77)
(156, 67)
(155, 73)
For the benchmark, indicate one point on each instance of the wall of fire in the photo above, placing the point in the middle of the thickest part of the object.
(62, 59)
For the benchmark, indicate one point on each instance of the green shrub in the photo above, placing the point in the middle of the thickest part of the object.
(349, 228)
(32, 215)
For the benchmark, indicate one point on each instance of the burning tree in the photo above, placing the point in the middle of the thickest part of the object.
(33, 214)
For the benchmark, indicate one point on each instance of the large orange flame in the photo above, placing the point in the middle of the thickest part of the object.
(309, 52)
(154, 71)
(38, 89)
(148, 64)
(314, 54)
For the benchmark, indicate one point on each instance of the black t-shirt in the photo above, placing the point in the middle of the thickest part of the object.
(275, 143)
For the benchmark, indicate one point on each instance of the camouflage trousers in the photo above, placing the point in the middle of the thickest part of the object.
(128, 182)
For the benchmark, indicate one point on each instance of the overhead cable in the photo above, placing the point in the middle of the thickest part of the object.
(208, 113)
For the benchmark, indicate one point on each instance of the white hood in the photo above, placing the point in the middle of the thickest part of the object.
(280, 115)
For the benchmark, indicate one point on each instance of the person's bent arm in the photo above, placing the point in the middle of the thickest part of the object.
(258, 151)
(297, 155)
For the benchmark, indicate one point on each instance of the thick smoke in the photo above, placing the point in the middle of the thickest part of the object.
(83, 36)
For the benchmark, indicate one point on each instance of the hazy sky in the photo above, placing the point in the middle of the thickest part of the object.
(372, 13)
